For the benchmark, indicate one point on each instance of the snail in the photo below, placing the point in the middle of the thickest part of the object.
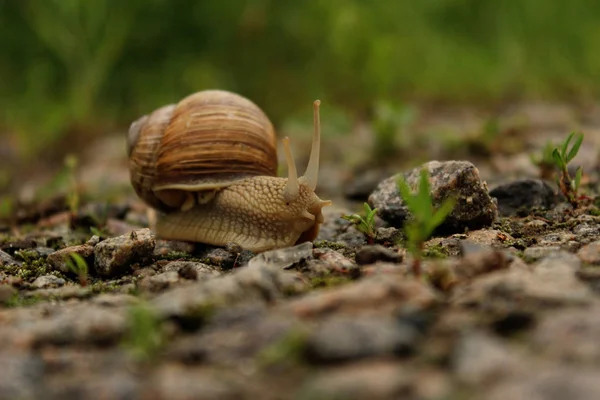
(208, 167)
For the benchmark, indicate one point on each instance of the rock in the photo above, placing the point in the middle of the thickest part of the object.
(21, 377)
(6, 293)
(65, 292)
(352, 238)
(570, 335)
(550, 383)
(459, 179)
(556, 239)
(481, 359)
(159, 282)
(559, 261)
(115, 255)
(84, 324)
(115, 300)
(184, 382)
(58, 260)
(590, 253)
(119, 383)
(344, 338)
(283, 258)
(379, 293)
(192, 270)
(523, 195)
(535, 253)
(333, 261)
(224, 258)
(551, 283)
(370, 254)
(94, 240)
(388, 235)
(586, 230)
(479, 261)
(6, 259)
(364, 380)
(165, 247)
(46, 281)
(259, 283)
(240, 334)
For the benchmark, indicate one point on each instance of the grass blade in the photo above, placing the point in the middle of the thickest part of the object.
(575, 149)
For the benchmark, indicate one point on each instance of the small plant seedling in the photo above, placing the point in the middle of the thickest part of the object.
(145, 335)
(425, 218)
(562, 157)
(365, 224)
(77, 264)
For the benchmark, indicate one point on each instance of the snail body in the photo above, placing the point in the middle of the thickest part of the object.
(208, 166)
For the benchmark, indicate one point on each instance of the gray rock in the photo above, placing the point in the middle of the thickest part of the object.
(46, 281)
(459, 179)
(550, 383)
(111, 384)
(7, 259)
(378, 293)
(362, 380)
(283, 258)
(550, 284)
(523, 195)
(535, 253)
(590, 253)
(165, 247)
(342, 338)
(115, 300)
(58, 259)
(192, 270)
(21, 376)
(585, 230)
(370, 254)
(259, 283)
(159, 282)
(570, 334)
(186, 382)
(82, 324)
(559, 261)
(6, 293)
(239, 334)
(116, 255)
(334, 262)
(480, 359)
(388, 235)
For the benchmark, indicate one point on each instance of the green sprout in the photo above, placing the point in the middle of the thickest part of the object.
(562, 157)
(425, 218)
(145, 335)
(365, 224)
(77, 264)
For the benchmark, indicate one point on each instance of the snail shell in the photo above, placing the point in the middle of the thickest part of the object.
(207, 141)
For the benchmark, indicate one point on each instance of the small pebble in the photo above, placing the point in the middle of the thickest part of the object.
(115, 255)
(47, 281)
(58, 259)
(370, 254)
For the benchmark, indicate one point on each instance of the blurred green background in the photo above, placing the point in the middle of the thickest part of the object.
(74, 69)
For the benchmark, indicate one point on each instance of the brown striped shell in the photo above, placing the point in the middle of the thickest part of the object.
(207, 141)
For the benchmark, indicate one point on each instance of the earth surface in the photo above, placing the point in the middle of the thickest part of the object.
(507, 305)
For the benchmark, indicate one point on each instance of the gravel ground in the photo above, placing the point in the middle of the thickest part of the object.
(508, 306)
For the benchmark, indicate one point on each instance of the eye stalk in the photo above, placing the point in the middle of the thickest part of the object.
(291, 187)
(311, 175)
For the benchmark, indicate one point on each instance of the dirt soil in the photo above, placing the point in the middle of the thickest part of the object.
(507, 309)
